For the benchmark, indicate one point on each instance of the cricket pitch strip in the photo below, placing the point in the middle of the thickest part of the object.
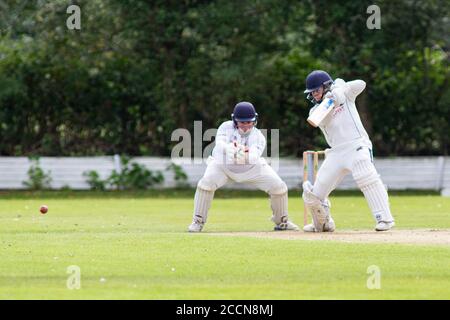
(413, 236)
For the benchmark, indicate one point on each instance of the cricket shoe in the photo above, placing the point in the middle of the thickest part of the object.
(309, 228)
(288, 225)
(330, 226)
(195, 227)
(384, 226)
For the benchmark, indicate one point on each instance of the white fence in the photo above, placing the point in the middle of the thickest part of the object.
(431, 173)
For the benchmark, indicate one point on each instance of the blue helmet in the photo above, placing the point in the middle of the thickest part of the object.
(315, 80)
(244, 112)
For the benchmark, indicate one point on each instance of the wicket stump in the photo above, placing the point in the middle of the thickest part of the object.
(310, 168)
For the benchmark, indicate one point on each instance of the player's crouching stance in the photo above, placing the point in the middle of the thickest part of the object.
(237, 157)
(351, 151)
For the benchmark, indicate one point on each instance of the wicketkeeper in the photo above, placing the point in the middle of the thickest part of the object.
(237, 157)
(350, 152)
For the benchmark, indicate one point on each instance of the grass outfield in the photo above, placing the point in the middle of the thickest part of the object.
(134, 246)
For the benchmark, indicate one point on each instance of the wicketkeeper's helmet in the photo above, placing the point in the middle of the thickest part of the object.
(244, 112)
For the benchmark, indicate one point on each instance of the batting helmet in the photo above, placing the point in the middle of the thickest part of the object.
(244, 112)
(315, 80)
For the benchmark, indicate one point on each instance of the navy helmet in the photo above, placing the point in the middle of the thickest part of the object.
(244, 112)
(315, 80)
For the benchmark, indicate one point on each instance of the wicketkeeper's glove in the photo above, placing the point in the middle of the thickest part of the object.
(241, 154)
(236, 153)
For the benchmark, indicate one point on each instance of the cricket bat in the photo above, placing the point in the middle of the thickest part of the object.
(320, 112)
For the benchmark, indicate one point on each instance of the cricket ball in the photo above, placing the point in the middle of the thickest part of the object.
(43, 209)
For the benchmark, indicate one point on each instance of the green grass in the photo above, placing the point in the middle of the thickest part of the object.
(139, 246)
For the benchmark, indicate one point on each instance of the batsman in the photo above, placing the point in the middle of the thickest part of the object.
(350, 152)
(237, 156)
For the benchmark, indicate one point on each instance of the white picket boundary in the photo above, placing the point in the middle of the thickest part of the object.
(430, 173)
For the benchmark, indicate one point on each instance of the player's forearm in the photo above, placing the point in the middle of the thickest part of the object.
(221, 146)
(342, 90)
(355, 87)
(254, 153)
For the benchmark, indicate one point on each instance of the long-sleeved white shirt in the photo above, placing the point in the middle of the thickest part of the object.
(255, 141)
(343, 124)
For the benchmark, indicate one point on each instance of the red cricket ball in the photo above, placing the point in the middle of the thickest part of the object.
(43, 209)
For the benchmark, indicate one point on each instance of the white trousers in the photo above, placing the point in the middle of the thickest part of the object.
(337, 164)
(355, 158)
(261, 176)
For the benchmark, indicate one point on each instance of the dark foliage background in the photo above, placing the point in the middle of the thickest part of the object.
(137, 70)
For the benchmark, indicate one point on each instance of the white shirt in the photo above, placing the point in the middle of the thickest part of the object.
(343, 124)
(254, 140)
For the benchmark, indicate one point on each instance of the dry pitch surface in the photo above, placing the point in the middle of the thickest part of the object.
(416, 237)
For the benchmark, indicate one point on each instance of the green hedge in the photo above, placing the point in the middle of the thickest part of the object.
(137, 70)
